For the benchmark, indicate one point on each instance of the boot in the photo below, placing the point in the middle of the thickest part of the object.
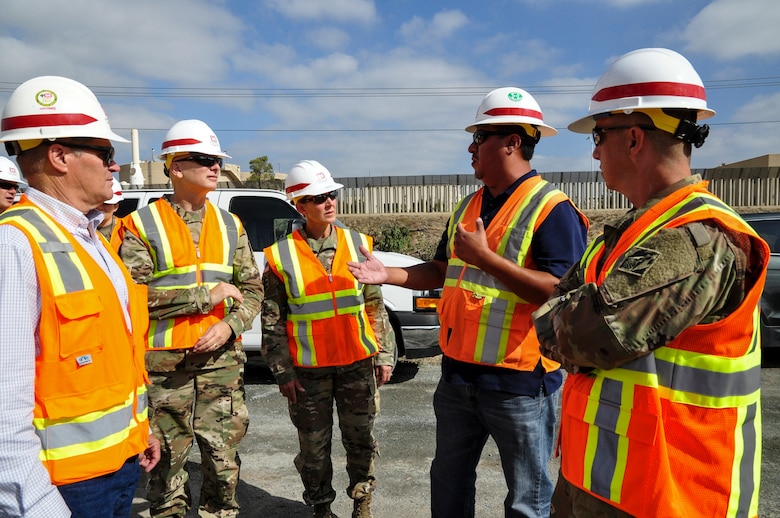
(323, 511)
(362, 507)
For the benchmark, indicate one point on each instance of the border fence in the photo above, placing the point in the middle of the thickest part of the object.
(739, 187)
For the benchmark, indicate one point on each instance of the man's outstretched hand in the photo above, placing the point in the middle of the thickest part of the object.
(370, 271)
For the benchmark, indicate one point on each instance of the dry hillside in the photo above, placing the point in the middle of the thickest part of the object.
(418, 234)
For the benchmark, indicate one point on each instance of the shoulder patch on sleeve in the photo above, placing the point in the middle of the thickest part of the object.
(639, 261)
(663, 259)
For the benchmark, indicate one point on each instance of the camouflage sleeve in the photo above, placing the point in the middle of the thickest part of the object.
(380, 323)
(681, 277)
(246, 276)
(275, 350)
(162, 303)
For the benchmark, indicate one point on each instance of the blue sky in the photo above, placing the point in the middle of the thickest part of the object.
(373, 87)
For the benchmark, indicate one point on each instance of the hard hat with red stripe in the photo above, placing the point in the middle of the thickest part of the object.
(52, 107)
(648, 80)
(191, 136)
(10, 171)
(511, 106)
(309, 178)
(117, 195)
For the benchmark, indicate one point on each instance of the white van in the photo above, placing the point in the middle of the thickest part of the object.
(268, 216)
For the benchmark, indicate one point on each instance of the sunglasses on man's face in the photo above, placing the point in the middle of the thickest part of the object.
(204, 160)
(8, 186)
(320, 198)
(105, 153)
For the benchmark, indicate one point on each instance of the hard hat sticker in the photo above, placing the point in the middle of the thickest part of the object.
(46, 98)
(515, 96)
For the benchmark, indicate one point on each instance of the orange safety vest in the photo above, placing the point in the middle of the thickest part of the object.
(675, 433)
(483, 321)
(327, 323)
(179, 265)
(90, 385)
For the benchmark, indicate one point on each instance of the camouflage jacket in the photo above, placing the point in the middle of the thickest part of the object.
(698, 274)
(182, 302)
(275, 349)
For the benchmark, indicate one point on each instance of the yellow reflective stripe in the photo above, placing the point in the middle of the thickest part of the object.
(591, 444)
(42, 424)
(160, 333)
(225, 242)
(305, 352)
(531, 217)
(621, 429)
(594, 247)
(36, 225)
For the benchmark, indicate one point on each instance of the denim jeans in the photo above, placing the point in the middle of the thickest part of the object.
(522, 427)
(107, 496)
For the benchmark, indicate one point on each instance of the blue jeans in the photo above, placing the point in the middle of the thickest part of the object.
(107, 496)
(522, 427)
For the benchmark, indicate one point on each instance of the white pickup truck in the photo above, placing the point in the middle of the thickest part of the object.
(268, 216)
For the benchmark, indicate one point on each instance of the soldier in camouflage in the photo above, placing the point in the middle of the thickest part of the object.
(311, 389)
(656, 323)
(197, 388)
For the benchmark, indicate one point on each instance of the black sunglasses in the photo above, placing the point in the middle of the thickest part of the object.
(598, 133)
(320, 198)
(8, 186)
(105, 153)
(481, 136)
(204, 160)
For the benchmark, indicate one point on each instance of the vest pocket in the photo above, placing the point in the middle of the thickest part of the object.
(78, 313)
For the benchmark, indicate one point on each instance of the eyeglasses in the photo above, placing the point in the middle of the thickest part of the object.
(481, 136)
(8, 186)
(204, 160)
(105, 153)
(598, 133)
(320, 198)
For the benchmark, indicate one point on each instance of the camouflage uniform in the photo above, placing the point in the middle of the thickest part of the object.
(353, 387)
(197, 394)
(693, 274)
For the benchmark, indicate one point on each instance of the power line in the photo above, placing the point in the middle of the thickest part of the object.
(223, 92)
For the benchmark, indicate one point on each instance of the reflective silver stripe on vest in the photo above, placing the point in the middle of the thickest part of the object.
(332, 305)
(513, 244)
(69, 272)
(694, 380)
(603, 471)
(493, 340)
(286, 247)
(306, 347)
(166, 274)
(153, 236)
(69, 434)
(747, 465)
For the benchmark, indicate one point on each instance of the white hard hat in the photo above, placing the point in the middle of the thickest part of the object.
(309, 178)
(116, 188)
(10, 171)
(643, 80)
(191, 136)
(52, 107)
(511, 106)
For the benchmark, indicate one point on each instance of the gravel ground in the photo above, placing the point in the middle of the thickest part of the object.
(270, 486)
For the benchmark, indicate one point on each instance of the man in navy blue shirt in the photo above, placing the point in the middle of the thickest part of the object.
(504, 250)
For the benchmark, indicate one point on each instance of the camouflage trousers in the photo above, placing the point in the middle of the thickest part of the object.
(353, 388)
(208, 405)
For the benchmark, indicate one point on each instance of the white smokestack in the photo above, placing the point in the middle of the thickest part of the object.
(136, 176)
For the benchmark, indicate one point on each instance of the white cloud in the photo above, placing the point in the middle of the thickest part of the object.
(329, 38)
(119, 42)
(732, 30)
(420, 32)
(360, 11)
